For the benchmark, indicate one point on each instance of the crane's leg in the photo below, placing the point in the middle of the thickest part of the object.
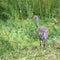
(40, 43)
(44, 43)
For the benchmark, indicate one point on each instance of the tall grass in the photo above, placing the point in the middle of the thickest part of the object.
(25, 8)
(18, 36)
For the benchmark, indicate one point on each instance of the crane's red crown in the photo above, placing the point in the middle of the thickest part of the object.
(32, 17)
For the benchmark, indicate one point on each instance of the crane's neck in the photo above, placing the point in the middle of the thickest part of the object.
(36, 22)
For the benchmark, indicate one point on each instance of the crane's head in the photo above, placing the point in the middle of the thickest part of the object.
(35, 17)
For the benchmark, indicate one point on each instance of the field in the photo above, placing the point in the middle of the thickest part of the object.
(19, 41)
(18, 35)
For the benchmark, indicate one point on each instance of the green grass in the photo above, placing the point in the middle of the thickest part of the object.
(19, 41)
(18, 36)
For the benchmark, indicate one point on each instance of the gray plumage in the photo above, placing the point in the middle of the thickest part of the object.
(42, 31)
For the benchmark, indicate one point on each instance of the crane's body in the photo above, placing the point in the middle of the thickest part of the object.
(42, 31)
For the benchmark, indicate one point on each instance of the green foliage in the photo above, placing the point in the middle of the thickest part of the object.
(18, 37)
(24, 9)
(4, 46)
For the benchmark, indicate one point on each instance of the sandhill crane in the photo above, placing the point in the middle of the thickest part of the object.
(42, 31)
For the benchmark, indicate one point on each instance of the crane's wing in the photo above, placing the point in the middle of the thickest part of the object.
(42, 32)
